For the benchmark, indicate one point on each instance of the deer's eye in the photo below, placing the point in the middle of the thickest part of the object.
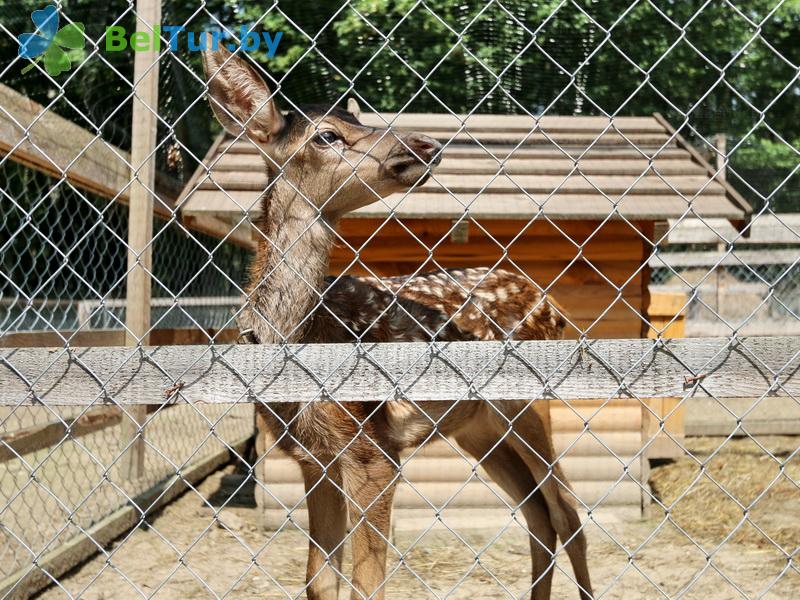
(324, 138)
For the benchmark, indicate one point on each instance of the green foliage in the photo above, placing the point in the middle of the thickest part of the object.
(705, 66)
(766, 153)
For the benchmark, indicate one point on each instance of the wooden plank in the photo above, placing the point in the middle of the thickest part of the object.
(53, 564)
(44, 339)
(599, 415)
(417, 371)
(595, 328)
(422, 205)
(451, 495)
(558, 206)
(666, 305)
(544, 273)
(41, 139)
(735, 197)
(573, 141)
(723, 258)
(763, 229)
(144, 130)
(550, 165)
(192, 336)
(31, 439)
(489, 251)
(38, 138)
(455, 468)
(503, 230)
(721, 147)
(495, 151)
(665, 441)
(481, 122)
(238, 234)
(202, 167)
(562, 166)
(768, 416)
(611, 443)
(114, 337)
(612, 185)
(666, 315)
(235, 233)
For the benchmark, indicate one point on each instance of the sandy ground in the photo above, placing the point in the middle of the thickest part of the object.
(46, 496)
(704, 550)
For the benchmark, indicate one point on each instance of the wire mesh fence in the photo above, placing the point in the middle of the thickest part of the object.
(50, 229)
(455, 244)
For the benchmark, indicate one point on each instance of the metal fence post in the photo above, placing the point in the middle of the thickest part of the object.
(140, 218)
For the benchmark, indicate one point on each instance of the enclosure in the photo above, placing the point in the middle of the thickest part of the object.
(287, 287)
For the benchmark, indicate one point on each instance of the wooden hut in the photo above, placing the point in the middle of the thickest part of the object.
(577, 203)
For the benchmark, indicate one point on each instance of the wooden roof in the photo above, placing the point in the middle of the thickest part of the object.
(511, 167)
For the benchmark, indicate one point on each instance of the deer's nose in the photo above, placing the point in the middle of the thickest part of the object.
(426, 148)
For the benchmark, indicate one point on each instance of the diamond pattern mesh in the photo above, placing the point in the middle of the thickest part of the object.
(617, 173)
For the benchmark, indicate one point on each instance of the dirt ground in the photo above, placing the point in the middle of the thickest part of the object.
(703, 550)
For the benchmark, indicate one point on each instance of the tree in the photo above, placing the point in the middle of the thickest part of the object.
(707, 66)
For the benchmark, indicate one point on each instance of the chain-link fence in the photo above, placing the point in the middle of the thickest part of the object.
(751, 287)
(455, 245)
(50, 228)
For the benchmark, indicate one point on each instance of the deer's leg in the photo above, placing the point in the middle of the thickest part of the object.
(327, 519)
(531, 438)
(369, 485)
(509, 471)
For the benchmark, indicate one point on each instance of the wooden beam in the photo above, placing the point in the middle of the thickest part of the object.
(536, 185)
(735, 197)
(512, 123)
(551, 164)
(115, 337)
(144, 132)
(54, 339)
(53, 564)
(764, 229)
(662, 423)
(710, 258)
(417, 371)
(40, 139)
(721, 147)
(220, 228)
(427, 205)
(31, 439)
(202, 169)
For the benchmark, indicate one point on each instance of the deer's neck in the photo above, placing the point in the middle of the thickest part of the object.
(291, 263)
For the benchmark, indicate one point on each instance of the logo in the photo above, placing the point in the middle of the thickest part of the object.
(117, 39)
(53, 46)
(50, 44)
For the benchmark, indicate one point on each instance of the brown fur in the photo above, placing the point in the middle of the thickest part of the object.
(349, 452)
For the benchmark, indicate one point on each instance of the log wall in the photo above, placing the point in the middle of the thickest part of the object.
(596, 272)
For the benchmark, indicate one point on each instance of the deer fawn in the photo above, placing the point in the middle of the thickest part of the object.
(322, 165)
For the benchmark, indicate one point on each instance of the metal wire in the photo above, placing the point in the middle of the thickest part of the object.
(64, 268)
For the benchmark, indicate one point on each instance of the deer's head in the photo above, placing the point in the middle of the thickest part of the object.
(328, 156)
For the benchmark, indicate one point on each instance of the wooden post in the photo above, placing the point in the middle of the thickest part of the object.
(667, 315)
(140, 219)
(721, 146)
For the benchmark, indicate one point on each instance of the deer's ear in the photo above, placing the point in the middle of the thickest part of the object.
(239, 97)
(353, 108)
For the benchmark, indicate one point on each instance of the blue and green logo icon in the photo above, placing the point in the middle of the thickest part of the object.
(50, 44)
